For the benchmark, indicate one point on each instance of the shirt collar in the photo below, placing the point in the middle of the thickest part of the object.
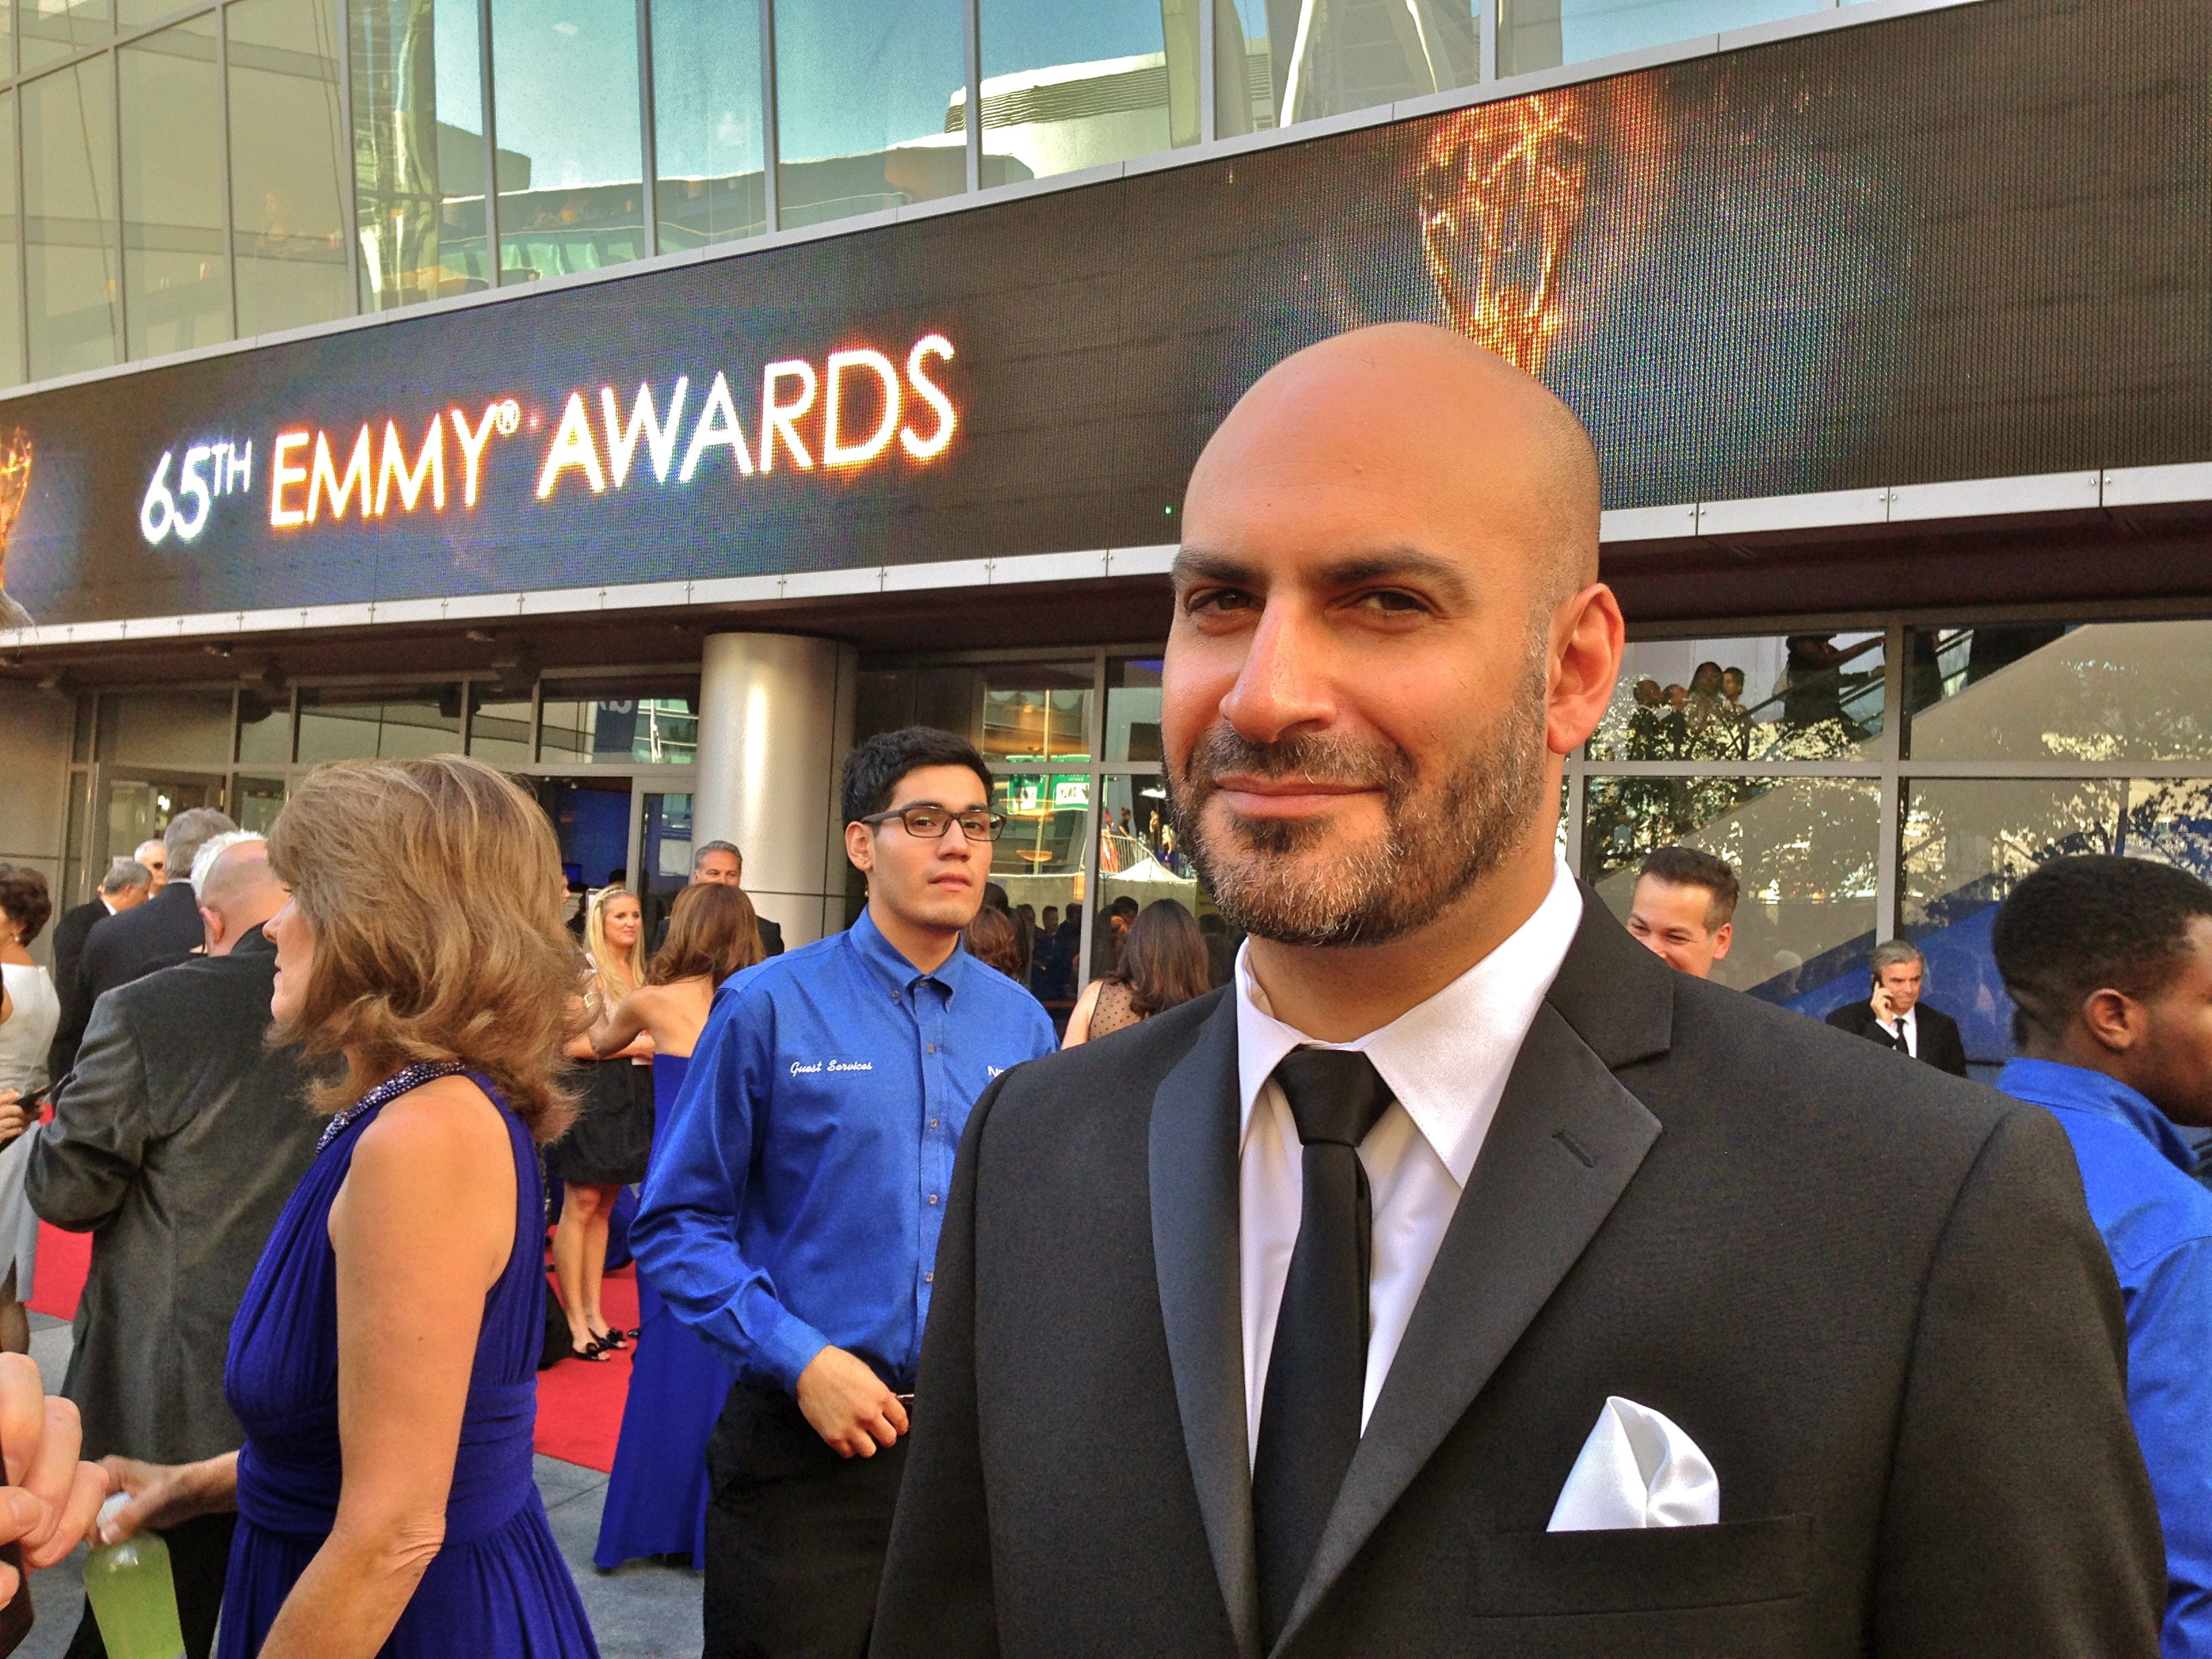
(885, 961)
(1446, 1060)
(2078, 1089)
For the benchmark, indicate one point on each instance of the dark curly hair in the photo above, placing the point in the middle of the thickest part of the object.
(2078, 925)
(24, 897)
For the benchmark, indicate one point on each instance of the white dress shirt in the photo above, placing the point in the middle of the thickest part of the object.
(1446, 1061)
(1911, 1018)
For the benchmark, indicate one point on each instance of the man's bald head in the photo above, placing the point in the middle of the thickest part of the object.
(1455, 438)
(237, 891)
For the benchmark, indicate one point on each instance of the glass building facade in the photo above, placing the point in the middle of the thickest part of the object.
(178, 176)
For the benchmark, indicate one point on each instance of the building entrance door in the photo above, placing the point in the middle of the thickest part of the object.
(133, 804)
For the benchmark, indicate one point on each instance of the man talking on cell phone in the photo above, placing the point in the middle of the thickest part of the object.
(791, 1217)
(1895, 1017)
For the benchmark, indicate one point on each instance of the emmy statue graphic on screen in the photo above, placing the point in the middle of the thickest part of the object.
(14, 484)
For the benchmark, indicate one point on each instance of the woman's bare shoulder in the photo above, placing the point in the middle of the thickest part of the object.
(449, 1122)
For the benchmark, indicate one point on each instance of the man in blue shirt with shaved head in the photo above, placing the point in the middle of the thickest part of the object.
(2110, 961)
(791, 1216)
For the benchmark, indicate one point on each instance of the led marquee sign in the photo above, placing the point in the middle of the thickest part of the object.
(1813, 265)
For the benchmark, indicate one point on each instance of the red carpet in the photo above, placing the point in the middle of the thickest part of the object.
(64, 1261)
(579, 1406)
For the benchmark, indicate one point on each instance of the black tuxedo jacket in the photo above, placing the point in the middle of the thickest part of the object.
(1871, 1294)
(1940, 1045)
(68, 957)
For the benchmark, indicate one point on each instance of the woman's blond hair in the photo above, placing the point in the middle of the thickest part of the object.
(612, 990)
(433, 889)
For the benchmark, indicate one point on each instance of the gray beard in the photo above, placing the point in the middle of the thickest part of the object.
(1438, 840)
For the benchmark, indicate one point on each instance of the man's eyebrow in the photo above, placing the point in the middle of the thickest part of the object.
(1201, 564)
(1447, 579)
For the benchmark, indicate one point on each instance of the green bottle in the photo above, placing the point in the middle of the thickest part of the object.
(133, 1597)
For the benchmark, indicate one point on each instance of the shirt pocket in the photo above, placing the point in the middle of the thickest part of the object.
(1654, 1570)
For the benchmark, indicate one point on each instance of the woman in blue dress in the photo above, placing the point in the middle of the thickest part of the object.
(383, 1361)
(656, 1501)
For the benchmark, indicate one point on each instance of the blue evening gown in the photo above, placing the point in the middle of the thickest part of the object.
(657, 1496)
(499, 1588)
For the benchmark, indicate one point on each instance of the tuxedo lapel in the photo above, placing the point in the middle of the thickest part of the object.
(1193, 1158)
(1566, 1141)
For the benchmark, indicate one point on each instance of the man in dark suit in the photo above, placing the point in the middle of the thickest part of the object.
(127, 885)
(159, 933)
(176, 1145)
(1896, 1017)
(719, 862)
(1455, 1170)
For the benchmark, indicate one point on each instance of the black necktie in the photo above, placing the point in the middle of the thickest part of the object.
(1903, 1047)
(1317, 1368)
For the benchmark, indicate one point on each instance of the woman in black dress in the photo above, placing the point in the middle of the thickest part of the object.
(605, 1150)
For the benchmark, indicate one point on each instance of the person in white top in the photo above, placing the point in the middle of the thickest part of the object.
(1279, 1323)
(29, 1012)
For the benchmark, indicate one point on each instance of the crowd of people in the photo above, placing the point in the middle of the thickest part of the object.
(1168, 1332)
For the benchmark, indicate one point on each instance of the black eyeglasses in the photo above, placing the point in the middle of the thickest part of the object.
(931, 823)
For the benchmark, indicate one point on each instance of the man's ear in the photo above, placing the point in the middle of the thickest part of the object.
(1723, 937)
(211, 923)
(860, 847)
(2115, 1019)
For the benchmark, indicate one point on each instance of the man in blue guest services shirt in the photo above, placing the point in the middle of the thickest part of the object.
(791, 1214)
(2110, 961)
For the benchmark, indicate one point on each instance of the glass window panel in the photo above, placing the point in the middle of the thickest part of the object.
(1965, 844)
(1013, 712)
(417, 69)
(1808, 697)
(564, 98)
(868, 113)
(287, 159)
(1140, 860)
(1066, 87)
(11, 285)
(131, 14)
(709, 146)
(378, 725)
(54, 29)
(256, 803)
(264, 728)
(1534, 35)
(623, 723)
(176, 280)
(1304, 60)
(176, 727)
(664, 868)
(2103, 692)
(81, 728)
(498, 731)
(1038, 858)
(68, 205)
(1132, 710)
(1803, 848)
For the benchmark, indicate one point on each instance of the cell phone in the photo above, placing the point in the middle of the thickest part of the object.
(16, 1619)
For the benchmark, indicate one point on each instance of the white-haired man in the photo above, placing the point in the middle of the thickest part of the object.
(1896, 1016)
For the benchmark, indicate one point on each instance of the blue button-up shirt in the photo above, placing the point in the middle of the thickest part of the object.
(797, 1195)
(2157, 1223)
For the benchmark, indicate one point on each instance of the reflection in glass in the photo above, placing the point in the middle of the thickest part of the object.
(54, 29)
(665, 869)
(622, 724)
(1132, 710)
(1808, 697)
(1305, 58)
(11, 285)
(564, 98)
(842, 152)
(1013, 712)
(2105, 691)
(182, 726)
(69, 206)
(1967, 842)
(256, 803)
(287, 155)
(1533, 34)
(709, 147)
(1038, 857)
(1066, 87)
(417, 69)
(176, 279)
(1141, 858)
(264, 728)
(499, 731)
(374, 725)
(1805, 850)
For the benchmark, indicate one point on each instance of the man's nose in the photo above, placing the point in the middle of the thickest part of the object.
(1283, 682)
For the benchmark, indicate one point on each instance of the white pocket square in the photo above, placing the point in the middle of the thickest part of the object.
(1636, 1470)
